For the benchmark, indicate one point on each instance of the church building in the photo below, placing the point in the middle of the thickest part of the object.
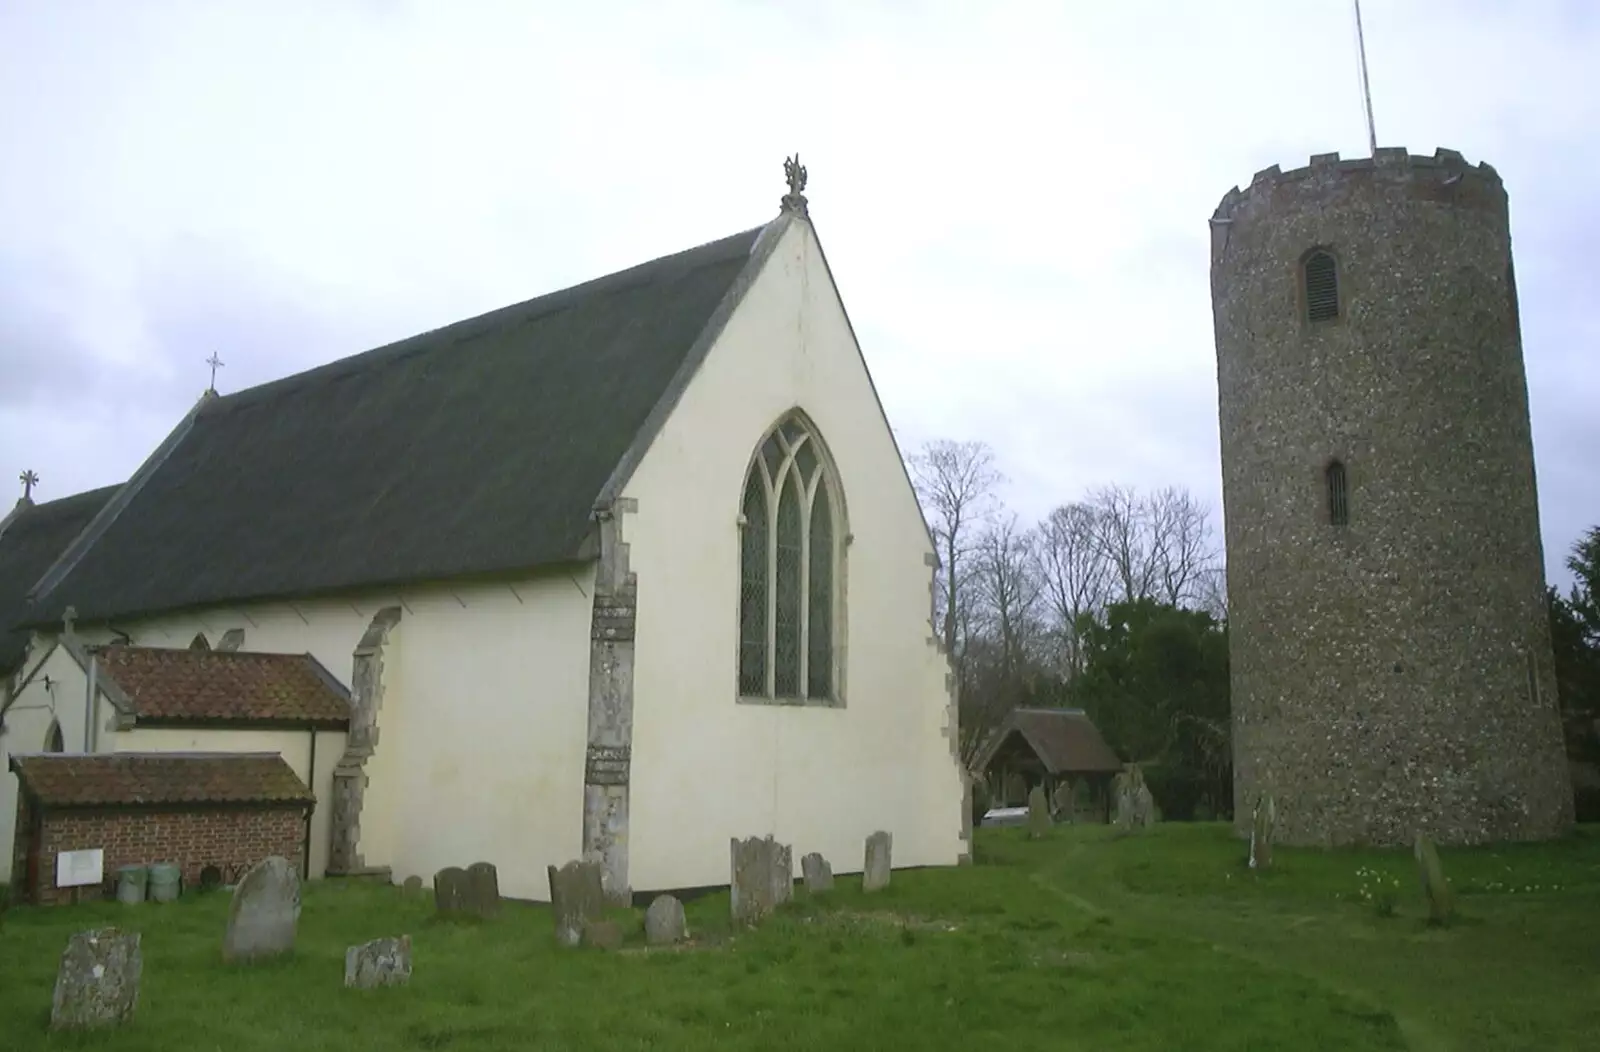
(618, 573)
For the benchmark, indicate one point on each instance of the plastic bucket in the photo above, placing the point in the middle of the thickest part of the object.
(164, 882)
(131, 884)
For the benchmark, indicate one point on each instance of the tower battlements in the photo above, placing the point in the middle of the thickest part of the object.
(1444, 171)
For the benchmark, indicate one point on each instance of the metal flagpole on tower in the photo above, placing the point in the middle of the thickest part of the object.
(1366, 88)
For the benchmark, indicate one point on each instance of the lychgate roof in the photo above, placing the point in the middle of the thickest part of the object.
(473, 449)
(1065, 740)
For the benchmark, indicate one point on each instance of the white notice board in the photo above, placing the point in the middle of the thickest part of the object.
(74, 869)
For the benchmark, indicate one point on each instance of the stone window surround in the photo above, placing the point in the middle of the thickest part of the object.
(1302, 286)
(842, 539)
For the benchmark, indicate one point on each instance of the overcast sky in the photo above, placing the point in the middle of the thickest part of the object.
(1013, 195)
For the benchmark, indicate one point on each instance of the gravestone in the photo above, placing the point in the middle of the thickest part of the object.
(483, 890)
(97, 983)
(817, 872)
(1261, 826)
(264, 913)
(450, 892)
(1121, 800)
(782, 874)
(1441, 900)
(412, 886)
(664, 921)
(761, 878)
(1144, 806)
(1064, 803)
(880, 850)
(1039, 820)
(381, 962)
(576, 899)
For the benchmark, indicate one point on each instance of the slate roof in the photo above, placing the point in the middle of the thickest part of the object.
(31, 542)
(56, 780)
(1065, 740)
(474, 449)
(216, 686)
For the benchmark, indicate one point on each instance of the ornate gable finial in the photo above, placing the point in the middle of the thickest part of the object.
(69, 617)
(795, 174)
(216, 363)
(29, 479)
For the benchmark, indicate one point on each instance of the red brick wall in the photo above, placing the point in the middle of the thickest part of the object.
(232, 840)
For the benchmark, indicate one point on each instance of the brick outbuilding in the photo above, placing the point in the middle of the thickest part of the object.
(192, 810)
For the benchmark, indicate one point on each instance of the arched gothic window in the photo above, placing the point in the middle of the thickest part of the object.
(1322, 286)
(791, 525)
(53, 740)
(1338, 493)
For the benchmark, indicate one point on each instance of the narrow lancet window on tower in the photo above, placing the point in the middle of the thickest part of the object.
(1322, 286)
(1338, 494)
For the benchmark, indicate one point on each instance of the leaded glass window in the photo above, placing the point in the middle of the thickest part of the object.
(789, 569)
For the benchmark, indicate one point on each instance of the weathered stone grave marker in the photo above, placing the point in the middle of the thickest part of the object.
(412, 886)
(483, 890)
(664, 922)
(1262, 821)
(577, 899)
(450, 886)
(879, 861)
(1441, 900)
(265, 912)
(381, 962)
(97, 983)
(1039, 820)
(762, 878)
(818, 874)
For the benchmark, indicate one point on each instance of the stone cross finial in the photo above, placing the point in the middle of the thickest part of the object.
(795, 174)
(30, 479)
(215, 363)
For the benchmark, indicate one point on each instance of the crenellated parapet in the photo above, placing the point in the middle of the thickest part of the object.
(1445, 172)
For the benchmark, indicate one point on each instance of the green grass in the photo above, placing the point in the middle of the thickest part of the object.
(1161, 942)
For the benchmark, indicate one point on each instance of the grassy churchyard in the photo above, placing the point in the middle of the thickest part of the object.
(1160, 941)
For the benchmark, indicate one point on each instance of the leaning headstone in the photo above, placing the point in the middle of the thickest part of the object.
(1121, 800)
(880, 851)
(264, 913)
(412, 886)
(576, 899)
(1441, 900)
(1144, 807)
(818, 874)
(97, 984)
(782, 874)
(1039, 820)
(381, 962)
(450, 892)
(483, 890)
(1261, 825)
(1063, 803)
(664, 921)
(761, 877)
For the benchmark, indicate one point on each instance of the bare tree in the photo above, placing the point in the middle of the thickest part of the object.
(955, 483)
(1004, 604)
(1074, 574)
(1158, 546)
(1181, 548)
(1122, 537)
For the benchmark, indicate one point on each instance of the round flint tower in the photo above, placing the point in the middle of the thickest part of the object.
(1388, 624)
